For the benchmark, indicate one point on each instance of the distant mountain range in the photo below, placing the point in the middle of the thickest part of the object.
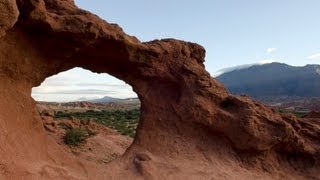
(274, 80)
(107, 99)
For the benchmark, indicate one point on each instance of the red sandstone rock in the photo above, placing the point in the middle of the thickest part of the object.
(190, 127)
(8, 15)
(313, 114)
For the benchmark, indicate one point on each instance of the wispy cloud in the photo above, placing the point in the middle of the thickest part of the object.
(271, 50)
(243, 66)
(114, 85)
(314, 56)
(80, 83)
(266, 61)
(78, 91)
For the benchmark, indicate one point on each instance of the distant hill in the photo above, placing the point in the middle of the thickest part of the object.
(108, 99)
(105, 99)
(274, 80)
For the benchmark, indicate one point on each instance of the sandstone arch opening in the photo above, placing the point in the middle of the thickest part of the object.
(95, 115)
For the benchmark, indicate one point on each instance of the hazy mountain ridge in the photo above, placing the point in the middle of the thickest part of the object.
(106, 99)
(274, 79)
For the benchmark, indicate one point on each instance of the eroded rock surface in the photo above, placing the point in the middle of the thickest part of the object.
(8, 15)
(190, 127)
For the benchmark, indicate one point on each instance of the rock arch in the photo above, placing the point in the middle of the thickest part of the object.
(190, 125)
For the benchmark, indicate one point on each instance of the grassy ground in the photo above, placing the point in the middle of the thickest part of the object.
(125, 122)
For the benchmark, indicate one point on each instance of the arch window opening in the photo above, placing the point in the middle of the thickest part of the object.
(95, 115)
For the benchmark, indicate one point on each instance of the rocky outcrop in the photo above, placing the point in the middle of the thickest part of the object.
(190, 127)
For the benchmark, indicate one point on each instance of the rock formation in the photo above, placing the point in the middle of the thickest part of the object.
(190, 127)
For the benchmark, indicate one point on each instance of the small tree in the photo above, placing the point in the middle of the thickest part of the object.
(75, 136)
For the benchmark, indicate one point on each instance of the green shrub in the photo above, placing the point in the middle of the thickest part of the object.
(124, 121)
(75, 136)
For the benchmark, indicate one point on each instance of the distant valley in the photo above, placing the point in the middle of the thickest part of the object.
(103, 104)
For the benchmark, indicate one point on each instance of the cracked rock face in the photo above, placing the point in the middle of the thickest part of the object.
(190, 126)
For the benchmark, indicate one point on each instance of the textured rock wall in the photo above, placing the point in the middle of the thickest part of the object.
(190, 126)
(8, 14)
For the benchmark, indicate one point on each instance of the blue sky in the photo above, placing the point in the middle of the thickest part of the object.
(234, 32)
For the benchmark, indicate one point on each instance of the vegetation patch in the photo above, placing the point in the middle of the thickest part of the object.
(76, 136)
(298, 114)
(124, 121)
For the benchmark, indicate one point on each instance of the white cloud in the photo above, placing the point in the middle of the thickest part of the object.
(243, 66)
(266, 61)
(314, 56)
(271, 50)
(80, 83)
(233, 68)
